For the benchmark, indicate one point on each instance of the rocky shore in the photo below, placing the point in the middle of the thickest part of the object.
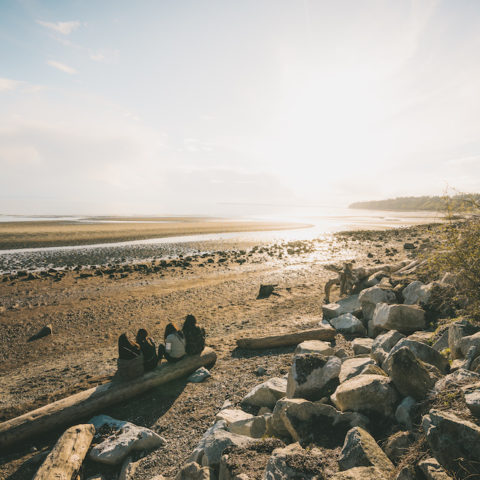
(393, 393)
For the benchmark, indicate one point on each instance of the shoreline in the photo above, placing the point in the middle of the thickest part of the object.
(89, 309)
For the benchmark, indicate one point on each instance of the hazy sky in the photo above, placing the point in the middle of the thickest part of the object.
(189, 106)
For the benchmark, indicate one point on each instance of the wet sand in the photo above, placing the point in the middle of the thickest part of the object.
(15, 235)
(89, 308)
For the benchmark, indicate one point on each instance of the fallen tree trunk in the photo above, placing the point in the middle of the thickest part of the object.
(68, 410)
(324, 333)
(66, 458)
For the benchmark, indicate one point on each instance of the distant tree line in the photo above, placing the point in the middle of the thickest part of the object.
(461, 202)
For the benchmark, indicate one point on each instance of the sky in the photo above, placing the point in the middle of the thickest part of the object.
(227, 107)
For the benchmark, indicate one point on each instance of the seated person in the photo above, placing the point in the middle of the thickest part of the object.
(194, 336)
(174, 343)
(147, 345)
(130, 358)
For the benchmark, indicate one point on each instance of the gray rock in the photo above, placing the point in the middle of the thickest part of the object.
(353, 367)
(422, 351)
(407, 473)
(230, 415)
(127, 438)
(266, 394)
(209, 449)
(409, 375)
(314, 346)
(362, 345)
(275, 424)
(433, 470)
(345, 305)
(403, 318)
(254, 427)
(458, 378)
(361, 450)
(127, 472)
(311, 376)
(404, 412)
(315, 422)
(193, 471)
(451, 438)
(417, 293)
(348, 324)
(360, 473)
(397, 445)
(260, 372)
(469, 341)
(370, 297)
(442, 342)
(383, 344)
(367, 394)
(456, 332)
(471, 394)
(199, 375)
(280, 467)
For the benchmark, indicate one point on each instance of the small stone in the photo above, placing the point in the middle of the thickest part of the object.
(260, 372)
(266, 394)
(199, 375)
(362, 345)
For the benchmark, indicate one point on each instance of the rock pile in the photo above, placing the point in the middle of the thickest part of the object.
(404, 406)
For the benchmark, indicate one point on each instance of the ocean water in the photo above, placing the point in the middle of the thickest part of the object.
(321, 225)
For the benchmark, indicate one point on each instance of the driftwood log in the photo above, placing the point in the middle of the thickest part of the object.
(325, 333)
(68, 410)
(66, 458)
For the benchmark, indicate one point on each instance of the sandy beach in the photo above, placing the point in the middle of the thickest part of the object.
(89, 308)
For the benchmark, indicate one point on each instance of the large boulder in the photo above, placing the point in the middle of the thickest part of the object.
(360, 473)
(319, 423)
(366, 394)
(194, 471)
(382, 345)
(231, 415)
(312, 376)
(456, 332)
(433, 470)
(458, 378)
(422, 351)
(362, 346)
(361, 450)
(403, 318)
(254, 427)
(209, 449)
(126, 437)
(410, 376)
(404, 412)
(348, 324)
(314, 346)
(417, 293)
(345, 305)
(471, 394)
(453, 440)
(293, 462)
(370, 297)
(470, 341)
(267, 393)
(352, 367)
(275, 423)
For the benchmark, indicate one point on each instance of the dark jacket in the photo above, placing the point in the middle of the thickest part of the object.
(149, 350)
(195, 339)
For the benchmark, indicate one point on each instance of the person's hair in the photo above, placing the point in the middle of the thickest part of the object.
(190, 321)
(142, 334)
(125, 342)
(169, 329)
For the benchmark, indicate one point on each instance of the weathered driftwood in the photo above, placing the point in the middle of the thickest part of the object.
(68, 410)
(324, 333)
(66, 458)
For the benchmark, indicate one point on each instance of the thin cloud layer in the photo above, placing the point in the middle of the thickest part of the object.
(62, 67)
(65, 28)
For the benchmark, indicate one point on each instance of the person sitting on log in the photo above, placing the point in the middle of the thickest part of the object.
(130, 358)
(147, 345)
(174, 343)
(194, 336)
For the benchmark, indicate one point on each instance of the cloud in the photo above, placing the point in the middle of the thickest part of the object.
(65, 28)
(62, 67)
(8, 84)
(105, 56)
